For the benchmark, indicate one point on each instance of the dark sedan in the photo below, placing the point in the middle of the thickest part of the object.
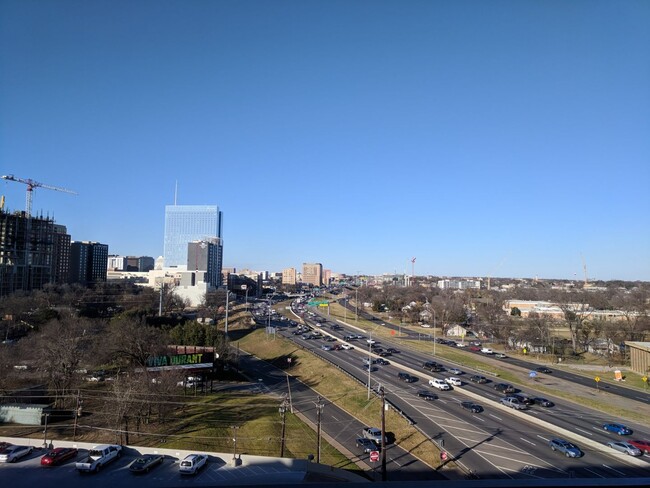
(543, 402)
(145, 463)
(59, 456)
(427, 395)
(477, 378)
(543, 369)
(472, 407)
(504, 388)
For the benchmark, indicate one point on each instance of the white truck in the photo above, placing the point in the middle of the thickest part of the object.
(98, 457)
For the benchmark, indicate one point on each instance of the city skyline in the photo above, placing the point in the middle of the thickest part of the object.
(503, 139)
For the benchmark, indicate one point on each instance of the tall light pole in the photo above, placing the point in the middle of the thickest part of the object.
(434, 331)
(369, 362)
(356, 303)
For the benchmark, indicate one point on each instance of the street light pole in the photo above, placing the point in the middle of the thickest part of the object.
(369, 363)
(383, 435)
(434, 331)
(356, 303)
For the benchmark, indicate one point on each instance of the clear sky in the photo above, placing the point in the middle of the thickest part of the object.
(502, 138)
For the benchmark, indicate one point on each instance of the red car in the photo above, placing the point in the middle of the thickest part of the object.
(644, 446)
(58, 456)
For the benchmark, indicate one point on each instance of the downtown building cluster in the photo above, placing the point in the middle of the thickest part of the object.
(34, 252)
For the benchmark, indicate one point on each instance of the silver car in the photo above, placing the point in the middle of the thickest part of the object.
(11, 454)
(565, 447)
(626, 448)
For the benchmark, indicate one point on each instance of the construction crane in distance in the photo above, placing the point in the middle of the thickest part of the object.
(31, 184)
(584, 267)
(412, 267)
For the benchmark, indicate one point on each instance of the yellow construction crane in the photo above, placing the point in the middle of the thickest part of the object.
(31, 184)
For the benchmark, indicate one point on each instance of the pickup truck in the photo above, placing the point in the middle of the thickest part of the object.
(98, 457)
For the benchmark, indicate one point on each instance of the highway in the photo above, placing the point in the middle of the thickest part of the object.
(496, 443)
(628, 393)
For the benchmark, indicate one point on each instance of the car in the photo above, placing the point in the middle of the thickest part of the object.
(644, 446)
(524, 399)
(372, 433)
(543, 402)
(427, 395)
(383, 362)
(366, 444)
(408, 378)
(370, 341)
(440, 384)
(500, 356)
(349, 337)
(487, 350)
(384, 354)
(477, 378)
(11, 454)
(452, 380)
(565, 447)
(461, 344)
(471, 406)
(513, 402)
(504, 388)
(474, 348)
(192, 463)
(144, 464)
(58, 456)
(543, 369)
(325, 347)
(432, 366)
(392, 350)
(331, 339)
(625, 447)
(619, 429)
(455, 371)
(347, 347)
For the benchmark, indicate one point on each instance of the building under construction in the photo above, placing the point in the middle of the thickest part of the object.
(34, 251)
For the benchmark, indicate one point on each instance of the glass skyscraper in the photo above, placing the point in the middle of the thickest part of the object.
(185, 224)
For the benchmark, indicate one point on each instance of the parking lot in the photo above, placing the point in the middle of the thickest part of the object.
(28, 472)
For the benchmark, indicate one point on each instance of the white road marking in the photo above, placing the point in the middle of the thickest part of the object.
(393, 461)
(498, 418)
(593, 472)
(543, 438)
(478, 418)
(529, 442)
(615, 470)
(645, 399)
(335, 418)
(586, 432)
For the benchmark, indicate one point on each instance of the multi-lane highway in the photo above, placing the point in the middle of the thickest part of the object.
(496, 443)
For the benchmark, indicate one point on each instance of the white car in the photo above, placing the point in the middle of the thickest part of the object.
(440, 384)
(346, 346)
(452, 380)
(487, 350)
(371, 341)
(455, 371)
(192, 463)
(11, 454)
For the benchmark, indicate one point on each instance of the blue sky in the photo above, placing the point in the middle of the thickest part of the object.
(502, 138)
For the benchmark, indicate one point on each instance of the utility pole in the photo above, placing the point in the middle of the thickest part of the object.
(77, 413)
(319, 411)
(356, 303)
(283, 413)
(162, 291)
(234, 440)
(227, 307)
(369, 363)
(383, 435)
(46, 415)
(289, 388)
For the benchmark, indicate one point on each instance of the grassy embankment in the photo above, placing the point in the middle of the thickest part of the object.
(335, 386)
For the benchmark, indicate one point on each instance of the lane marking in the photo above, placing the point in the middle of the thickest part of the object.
(594, 472)
(393, 461)
(543, 438)
(529, 442)
(586, 432)
(335, 418)
(498, 418)
(615, 470)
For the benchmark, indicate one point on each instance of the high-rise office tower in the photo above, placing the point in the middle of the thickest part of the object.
(185, 224)
(206, 256)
